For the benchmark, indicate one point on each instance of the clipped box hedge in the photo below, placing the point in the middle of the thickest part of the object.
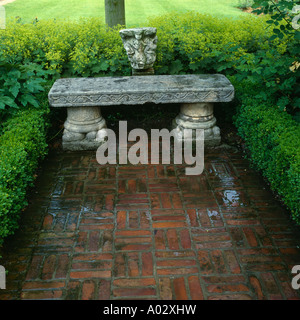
(273, 140)
(22, 145)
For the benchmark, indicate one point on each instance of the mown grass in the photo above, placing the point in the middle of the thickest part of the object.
(137, 11)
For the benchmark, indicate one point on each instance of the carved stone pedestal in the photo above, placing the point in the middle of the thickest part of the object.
(198, 116)
(84, 129)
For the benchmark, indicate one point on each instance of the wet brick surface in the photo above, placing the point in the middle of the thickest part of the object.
(151, 232)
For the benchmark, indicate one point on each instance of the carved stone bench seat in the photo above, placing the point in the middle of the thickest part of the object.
(83, 98)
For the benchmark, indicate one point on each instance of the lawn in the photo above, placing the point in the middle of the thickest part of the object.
(137, 11)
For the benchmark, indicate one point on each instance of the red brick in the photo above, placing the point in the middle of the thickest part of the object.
(147, 264)
(160, 243)
(104, 289)
(264, 267)
(221, 288)
(48, 220)
(218, 261)
(260, 259)
(185, 239)
(165, 289)
(90, 274)
(176, 201)
(176, 271)
(212, 237)
(134, 247)
(175, 254)
(270, 284)
(166, 200)
(131, 186)
(88, 290)
(257, 287)
(172, 239)
(230, 297)
(87, 227)
(81, 242)
(133, 265)
(133, 219)
(93, 243)
(223, 279)
(109, 201)
(120, 265)
(90, 265)
(136, 282)
(144, 220)
(42, 285)
(193, 217)
(250, 236)
(41, 295)
(62, 266)
(175, 263)
(170, 224)
(242, 222)
(139, 292)
(195, 288)
(204, 218)
(34, 270)
(231, 261)
(107, 241)
(206, 266)
(180, 289)
(92, 256)
(214, 244)
(49, 267)
(133, 240)
(133, 233)
(121, 186)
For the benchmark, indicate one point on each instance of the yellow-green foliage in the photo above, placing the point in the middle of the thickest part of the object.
(61, 44)
(203, 36)
(86, 47)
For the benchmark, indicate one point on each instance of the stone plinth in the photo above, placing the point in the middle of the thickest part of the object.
(198, 116)
(140, 45)
(83, 128)
(85, 96)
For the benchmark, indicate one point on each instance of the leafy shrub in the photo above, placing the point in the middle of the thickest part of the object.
(244, 4)
(20, 85)
(276, 72)
(272, 138)
(189, 42)
(22, 145)
(83, 47)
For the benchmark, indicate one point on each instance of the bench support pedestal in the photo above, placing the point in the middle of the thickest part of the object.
(198, 116)
(82, 129)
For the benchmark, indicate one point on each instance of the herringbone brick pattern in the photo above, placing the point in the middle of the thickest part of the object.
(151, 232)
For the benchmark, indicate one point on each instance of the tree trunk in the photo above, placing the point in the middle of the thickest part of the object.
(114, 12)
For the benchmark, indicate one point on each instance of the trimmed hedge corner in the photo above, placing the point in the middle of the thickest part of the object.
(22, 145)
(273, 140)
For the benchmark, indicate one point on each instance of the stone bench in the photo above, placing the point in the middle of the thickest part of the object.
(83, 98)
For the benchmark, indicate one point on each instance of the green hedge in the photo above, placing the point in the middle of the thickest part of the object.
(273, 140)
(22, 145)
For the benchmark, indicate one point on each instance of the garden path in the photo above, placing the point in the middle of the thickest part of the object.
(151, 232)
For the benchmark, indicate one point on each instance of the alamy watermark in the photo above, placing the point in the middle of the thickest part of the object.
(296, 278)
(2, 278)
(2, 17)
(190, 142)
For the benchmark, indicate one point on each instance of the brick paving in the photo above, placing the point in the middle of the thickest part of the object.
(151, 232)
